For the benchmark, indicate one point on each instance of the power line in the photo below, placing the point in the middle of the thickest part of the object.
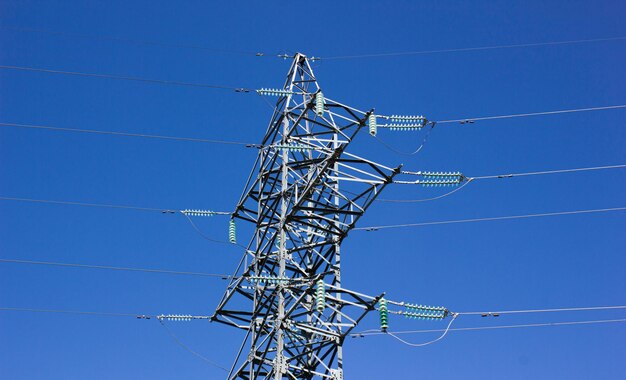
(135, 41)
(375, 228)
(185, 213)
(253, 145)
(128, 134)
(533, 311)
(479, 48)
(76, 312)
(124, 207)
(500, 176)
(500, 327)
(551, 172)
(146, 270)
(127, 78)
(136, 208)
(103, 314)
(472, 119)
(173, 211)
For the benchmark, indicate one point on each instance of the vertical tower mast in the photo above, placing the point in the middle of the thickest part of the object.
(290, 274)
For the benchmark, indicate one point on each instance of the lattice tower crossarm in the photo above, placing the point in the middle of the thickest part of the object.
(303, 196)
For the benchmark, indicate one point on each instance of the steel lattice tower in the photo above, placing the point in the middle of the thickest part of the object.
(304, 195)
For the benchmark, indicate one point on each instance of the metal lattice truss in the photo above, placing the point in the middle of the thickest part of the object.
(301, 216)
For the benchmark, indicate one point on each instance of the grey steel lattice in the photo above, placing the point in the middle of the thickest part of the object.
(301, 215)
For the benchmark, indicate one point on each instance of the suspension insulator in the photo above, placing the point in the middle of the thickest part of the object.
(425, 312)
(320, 296)
(384, 314)
(174, 317)
(232, 233)
(421, 119)
(198, 212)
(441, 178)
(371, 121)
(269, 280)
(319, 104)
(438, 183)
(293, 147)
(403, 126)
(274, 92)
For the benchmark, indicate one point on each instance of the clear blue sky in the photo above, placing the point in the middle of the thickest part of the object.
(551, 262)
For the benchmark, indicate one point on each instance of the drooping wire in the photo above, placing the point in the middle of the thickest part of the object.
(416, 151)
(129, 134)
(107, 267)
(204, 236)
(445, 332)
(425, 199)
(497, 218)
(479, 48)
(187, 348)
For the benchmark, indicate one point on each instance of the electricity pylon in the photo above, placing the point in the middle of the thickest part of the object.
(304, 195)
